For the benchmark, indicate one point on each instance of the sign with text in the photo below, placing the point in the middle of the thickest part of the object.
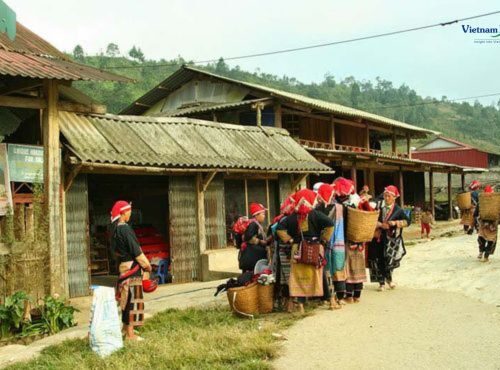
(5, 191)
(25, 163)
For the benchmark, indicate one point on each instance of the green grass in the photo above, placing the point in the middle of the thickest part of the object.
(180, 339)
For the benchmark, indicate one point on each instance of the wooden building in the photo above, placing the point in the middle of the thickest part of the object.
(35, 86)
(187, 178)
(346, 139)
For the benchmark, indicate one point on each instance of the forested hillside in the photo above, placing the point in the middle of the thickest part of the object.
(466, 121)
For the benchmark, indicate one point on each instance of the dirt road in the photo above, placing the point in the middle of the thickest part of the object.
(433, 320)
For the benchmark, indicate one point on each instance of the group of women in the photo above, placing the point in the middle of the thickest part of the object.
(316, 221)
(487, 229)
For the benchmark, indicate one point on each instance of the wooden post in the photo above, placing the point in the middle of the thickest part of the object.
(354, 176)
(408, 145)
(401, 189)
(278, 116)
(214, 117)
(367, 139)
(450, 204)
(394, 149)
(462, 178)
(431, 191)
(332, 132)
(258, 110)
(246, 197)
(268, 206)
(200, 205)
(371, 182)
(52, 188)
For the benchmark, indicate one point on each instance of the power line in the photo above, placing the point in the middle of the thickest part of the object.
(437, 101)
(315, 46)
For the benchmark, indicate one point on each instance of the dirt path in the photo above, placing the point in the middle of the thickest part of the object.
(434, 320)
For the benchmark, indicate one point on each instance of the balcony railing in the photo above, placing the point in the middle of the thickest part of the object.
(349, 148)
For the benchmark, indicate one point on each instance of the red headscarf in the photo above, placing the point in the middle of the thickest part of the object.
(256, 208)
(326, 192)
(488, 189)
(286, 208)
(118, 209)
(474, 185)
(305, 200)
(391, 189)
(343, 187)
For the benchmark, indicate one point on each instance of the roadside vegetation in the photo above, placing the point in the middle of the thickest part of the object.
(194, 338)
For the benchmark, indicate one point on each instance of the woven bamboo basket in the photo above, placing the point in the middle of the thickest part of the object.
(489, 206)
(266, 298)
(361, 225)
(244, 300)
(464, 200)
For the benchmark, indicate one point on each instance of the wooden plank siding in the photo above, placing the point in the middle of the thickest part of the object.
(184, 246)
(77, 237)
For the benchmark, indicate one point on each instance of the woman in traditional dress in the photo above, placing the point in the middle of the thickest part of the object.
(254, 246)
(488, 233)
(281, 256)
(305, 224)
(386, 249)
(336, 252)
(132, 262)
(469, 216)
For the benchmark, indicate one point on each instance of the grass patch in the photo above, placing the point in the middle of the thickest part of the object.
(194, 338)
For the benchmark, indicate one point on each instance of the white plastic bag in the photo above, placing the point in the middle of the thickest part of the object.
(105, 331)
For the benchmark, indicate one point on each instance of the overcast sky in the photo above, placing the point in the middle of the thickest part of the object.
(435, 62)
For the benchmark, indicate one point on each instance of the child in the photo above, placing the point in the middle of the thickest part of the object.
(426, 220)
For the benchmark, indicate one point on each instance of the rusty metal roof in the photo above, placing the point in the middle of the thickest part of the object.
(204, 108)
(184, 143)
(186, 73)
(28, 55)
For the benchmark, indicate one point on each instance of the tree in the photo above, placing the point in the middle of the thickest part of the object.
(136, 53)
(221, 67)
(112, 50)
(78, 53)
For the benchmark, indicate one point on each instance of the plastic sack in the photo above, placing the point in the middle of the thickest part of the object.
(105, 331)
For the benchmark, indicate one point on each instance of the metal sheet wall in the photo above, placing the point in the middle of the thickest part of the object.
(184, 246)
(215, 214)
(285, 186)
(469, 157)
(77, 237)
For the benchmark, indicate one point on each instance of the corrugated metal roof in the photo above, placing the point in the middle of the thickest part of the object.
(183, 143)
(203, 108)
(187, 72)
(28, 55)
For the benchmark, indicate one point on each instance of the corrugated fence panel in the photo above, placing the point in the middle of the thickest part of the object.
(184, 246)
(215, 214)
(77, 237)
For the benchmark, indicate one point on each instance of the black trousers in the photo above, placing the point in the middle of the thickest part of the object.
(485, 246)
(353, 290)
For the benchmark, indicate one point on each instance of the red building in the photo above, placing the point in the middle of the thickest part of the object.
(443, 149)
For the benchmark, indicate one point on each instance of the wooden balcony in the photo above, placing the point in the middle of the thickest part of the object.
(350, 149)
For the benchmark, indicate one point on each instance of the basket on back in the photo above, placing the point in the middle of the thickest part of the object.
(464, 200)
(489, 206)
(361, 225)
(244, 300)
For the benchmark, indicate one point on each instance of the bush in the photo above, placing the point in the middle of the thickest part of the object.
(53, 316)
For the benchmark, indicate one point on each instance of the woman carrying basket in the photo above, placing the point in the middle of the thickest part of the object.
(387, 249)
(488, 231)
(305, 226)
(469, 216)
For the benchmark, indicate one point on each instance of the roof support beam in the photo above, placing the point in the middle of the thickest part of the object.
(14, 86)
(207, 180)
(38, 103)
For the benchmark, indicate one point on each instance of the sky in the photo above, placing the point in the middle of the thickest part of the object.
(437, 62)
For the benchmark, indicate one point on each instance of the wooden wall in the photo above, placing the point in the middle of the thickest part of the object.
(348, 135)
(314, 130)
